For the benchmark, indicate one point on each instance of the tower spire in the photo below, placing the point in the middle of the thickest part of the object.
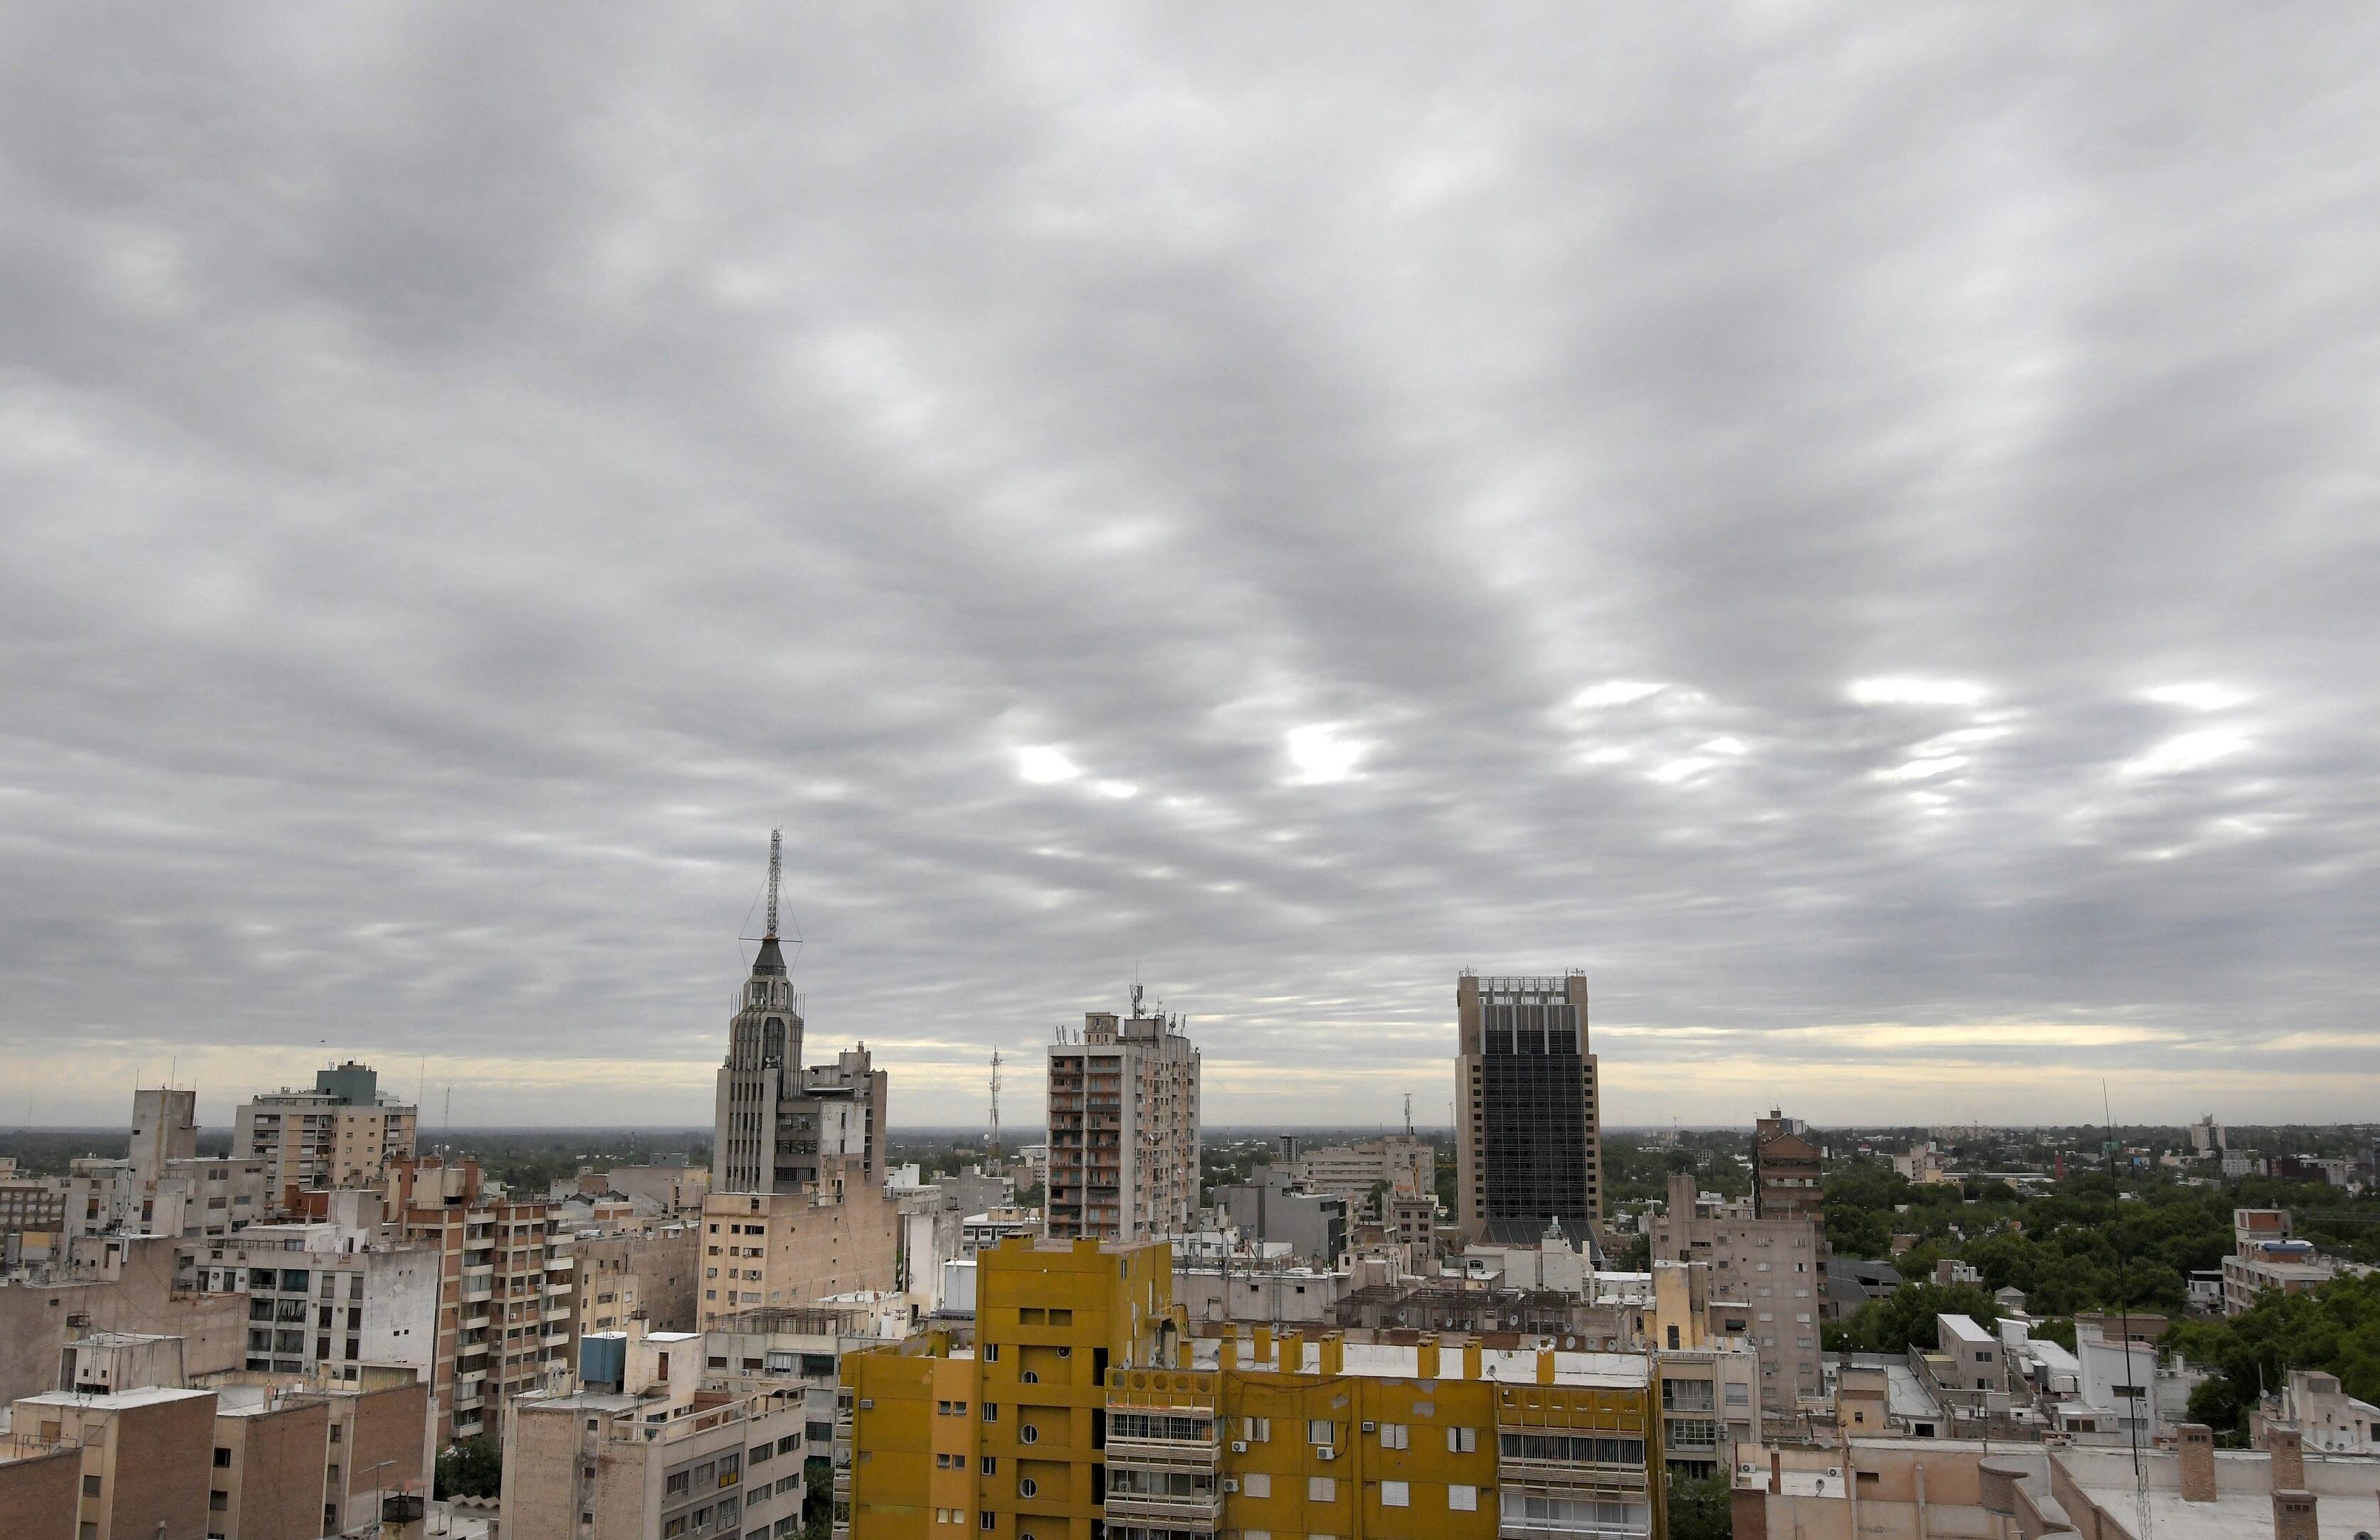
(776, 859)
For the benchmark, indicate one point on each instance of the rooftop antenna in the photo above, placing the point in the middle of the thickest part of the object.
(2136, 1399)
(992, 1144)
(776, 861)
(1409, 1133)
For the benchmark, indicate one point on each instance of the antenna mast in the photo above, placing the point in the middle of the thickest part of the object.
(776, 859)
(991, 1141)
(1409, 1133)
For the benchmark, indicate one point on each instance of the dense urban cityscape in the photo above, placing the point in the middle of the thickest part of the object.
(807, 1323)
(1072, 771)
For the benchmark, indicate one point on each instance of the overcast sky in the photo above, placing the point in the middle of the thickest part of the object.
(1855, 526)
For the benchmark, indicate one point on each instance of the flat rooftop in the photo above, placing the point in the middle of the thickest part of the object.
(113, 1400)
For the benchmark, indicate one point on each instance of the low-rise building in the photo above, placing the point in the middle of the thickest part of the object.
(41, 1488)
(2326, 1419)
(144, 1457)
(1269, 1208)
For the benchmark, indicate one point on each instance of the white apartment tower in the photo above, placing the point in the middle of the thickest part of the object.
(1123, 1129)
(779, 1126)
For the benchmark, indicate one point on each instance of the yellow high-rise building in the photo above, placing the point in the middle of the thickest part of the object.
(1088, 1409)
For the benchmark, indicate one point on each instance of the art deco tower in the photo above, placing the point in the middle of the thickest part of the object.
(779, 1127)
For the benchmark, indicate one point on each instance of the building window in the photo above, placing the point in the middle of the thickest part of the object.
(1395, 1494)
(1461, 1441)
(1462, 1500)
(1321, 1489)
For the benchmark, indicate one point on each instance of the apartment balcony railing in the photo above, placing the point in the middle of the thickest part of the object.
(1199, 1514)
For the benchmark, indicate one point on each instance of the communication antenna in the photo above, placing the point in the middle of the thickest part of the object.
(1409, 1133)
(776, 860)
(2137, 1403)
(991, 1142)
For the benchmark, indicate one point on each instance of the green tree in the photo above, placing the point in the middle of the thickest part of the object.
(471, 1468)
(1907, 1315)
(2335, 1328)
(1700, 1508)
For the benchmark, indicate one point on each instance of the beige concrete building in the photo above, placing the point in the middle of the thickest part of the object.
(1123, 1129)
(1407, 1167)
(300, 1456)
(779, 1249)
(165, 1129)
(136, 1289)
(507, 1295)
(1528, 1142)
(41, 1488)
(344, 1133)
(1939, 1488)
(656, 1268)
(659, 1459)
(145, 1455)
(266, 1478)
(1776, 1267)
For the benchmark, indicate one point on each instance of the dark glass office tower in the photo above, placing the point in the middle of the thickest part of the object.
(1529, 1148)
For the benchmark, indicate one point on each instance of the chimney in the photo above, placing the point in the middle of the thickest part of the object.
(2289, 1458)
(2293, 1516)
(2194, 1442)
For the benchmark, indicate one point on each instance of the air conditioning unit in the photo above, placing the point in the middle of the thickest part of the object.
(1325, 1451)
(1230, 1484)
(1371, 1427)
(1239, 1446)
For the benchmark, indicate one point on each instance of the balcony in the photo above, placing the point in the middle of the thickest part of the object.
(1518, 1470)
(1197, 1514)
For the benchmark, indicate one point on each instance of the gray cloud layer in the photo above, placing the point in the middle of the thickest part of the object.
(1198, 490)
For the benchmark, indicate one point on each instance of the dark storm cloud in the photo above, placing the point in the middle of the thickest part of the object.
(1856, 529)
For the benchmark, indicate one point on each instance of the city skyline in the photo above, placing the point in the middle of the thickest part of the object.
(1874, 576)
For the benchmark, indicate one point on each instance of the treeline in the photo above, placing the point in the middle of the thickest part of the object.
(2082, 1247)
(2337, 1329)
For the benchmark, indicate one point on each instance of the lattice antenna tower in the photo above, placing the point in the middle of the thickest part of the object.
(991, 1140)
(776, 865)
(1409, 1133)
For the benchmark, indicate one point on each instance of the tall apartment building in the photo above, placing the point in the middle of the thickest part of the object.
(1123, 1129)
(1776, 1267)
(777, 1125)
(1088, 1409)
(1529, 1139)
(507, 1307)
(344, 1133)
(1787, 1179)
